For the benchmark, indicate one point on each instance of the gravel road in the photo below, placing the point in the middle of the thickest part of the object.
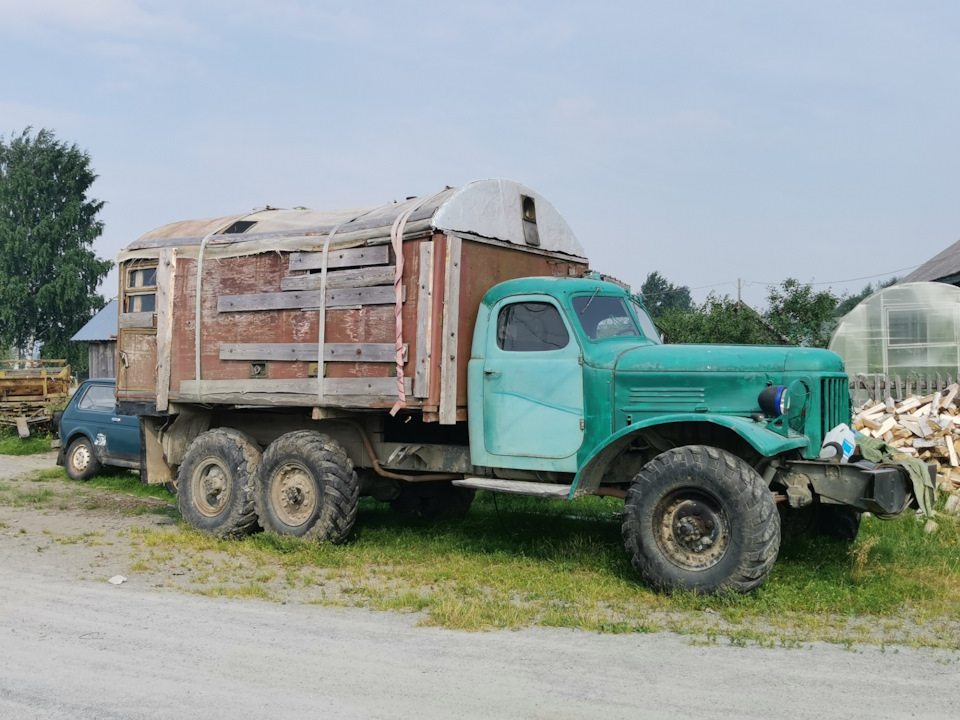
(82, 648)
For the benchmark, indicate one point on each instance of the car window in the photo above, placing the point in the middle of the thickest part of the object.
(99, 398)
(531, 327)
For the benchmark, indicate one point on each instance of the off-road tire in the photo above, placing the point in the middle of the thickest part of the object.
(215, 483)
(306, 487)
(81, 461)
(433, 501)
(700, 519)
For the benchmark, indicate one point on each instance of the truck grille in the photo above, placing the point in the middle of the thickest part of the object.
(834, 403)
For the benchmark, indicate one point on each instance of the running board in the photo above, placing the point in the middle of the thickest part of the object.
(516, 487)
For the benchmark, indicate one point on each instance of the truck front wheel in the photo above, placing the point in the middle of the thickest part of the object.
(215, 483)
(307, 487)
(698, 518)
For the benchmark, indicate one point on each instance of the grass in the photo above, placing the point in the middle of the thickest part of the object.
(11, 444)
(515, 562)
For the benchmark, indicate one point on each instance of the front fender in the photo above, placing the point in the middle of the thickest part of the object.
(764, 441)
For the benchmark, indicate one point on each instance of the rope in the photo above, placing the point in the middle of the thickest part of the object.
(322, 335)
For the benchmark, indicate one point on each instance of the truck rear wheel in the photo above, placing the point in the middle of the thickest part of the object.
(307, 487)
(215, 483)
(698, 518)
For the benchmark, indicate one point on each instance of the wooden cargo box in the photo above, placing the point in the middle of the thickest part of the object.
(390, 294)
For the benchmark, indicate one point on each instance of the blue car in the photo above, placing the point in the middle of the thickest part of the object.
(92, 434)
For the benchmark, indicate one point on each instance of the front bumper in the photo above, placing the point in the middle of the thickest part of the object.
(865, 486)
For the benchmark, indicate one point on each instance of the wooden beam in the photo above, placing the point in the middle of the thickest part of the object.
(421, 384)
(128, 321)
(298, 300)
(166, 276)
(351, 257)
(448, 350)
(361, 277)
(307, 352)
(382, 386)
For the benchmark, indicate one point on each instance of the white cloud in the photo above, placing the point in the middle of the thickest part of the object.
(104, 17)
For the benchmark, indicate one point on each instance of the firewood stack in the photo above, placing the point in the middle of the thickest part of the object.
(925, 427)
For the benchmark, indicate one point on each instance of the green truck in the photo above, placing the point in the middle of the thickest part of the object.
(284, 363)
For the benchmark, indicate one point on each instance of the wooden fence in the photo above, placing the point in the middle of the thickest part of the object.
(879, 387)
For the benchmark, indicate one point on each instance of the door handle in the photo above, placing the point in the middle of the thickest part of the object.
(116, 419)
(490, 372)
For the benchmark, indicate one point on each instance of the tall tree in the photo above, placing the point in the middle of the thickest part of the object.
(803, 316)
(660, 295)
(48, 271)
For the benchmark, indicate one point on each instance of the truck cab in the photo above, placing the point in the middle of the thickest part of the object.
(572, 392)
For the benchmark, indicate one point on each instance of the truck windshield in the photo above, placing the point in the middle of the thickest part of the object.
(604, 316)
(649, 328)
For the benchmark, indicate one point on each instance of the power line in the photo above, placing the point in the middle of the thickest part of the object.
(837, 282)
(740, 283)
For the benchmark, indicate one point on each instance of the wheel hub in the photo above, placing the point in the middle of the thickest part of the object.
(294, 495)
(694, 526)
(691, 530)
(81, 458)
(212, 491)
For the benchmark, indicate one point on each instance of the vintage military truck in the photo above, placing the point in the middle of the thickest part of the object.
(285, 362)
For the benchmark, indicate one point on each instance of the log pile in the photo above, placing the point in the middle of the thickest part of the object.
(926, 427)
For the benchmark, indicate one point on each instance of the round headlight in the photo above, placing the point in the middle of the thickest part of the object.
(774, 400)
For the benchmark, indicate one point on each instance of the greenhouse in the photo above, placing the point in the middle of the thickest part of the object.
(906, 331)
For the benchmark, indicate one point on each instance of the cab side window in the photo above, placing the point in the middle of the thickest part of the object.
(98, 398)
(531, 327)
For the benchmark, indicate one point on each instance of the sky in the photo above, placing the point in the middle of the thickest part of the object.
(727, 144)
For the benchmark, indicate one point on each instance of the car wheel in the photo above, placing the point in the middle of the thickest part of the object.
(81, 462)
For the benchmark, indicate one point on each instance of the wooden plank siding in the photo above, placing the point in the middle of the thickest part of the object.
(301, 300)
(351, 257)
(263, 308)
(361, 277)
(307, 352)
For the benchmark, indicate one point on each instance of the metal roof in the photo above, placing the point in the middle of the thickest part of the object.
(101, 327)
(494, 209)
(944, 267)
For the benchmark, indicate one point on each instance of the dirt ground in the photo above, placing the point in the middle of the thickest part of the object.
(76, 646)
(80, 532)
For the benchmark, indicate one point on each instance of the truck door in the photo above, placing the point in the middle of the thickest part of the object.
(532, 383)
